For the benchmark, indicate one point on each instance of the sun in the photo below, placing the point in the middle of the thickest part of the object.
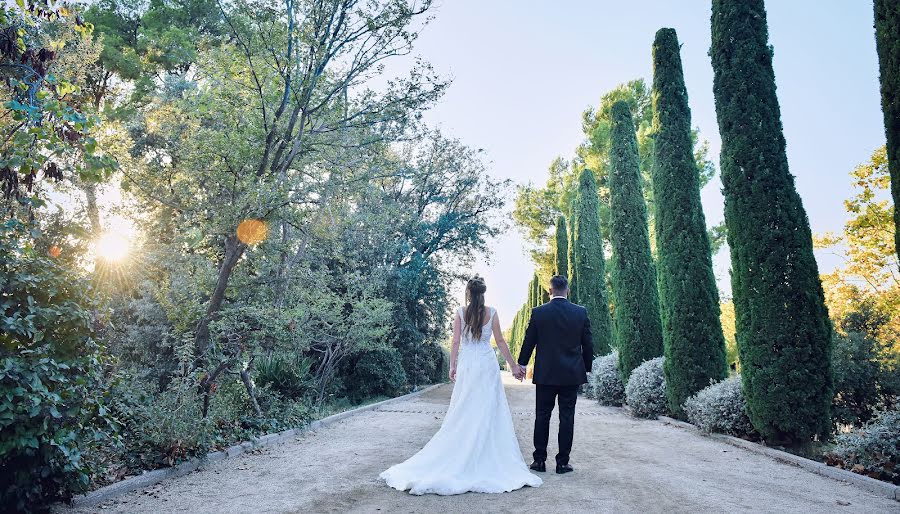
(112, 246)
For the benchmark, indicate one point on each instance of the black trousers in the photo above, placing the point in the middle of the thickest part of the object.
(546, 397)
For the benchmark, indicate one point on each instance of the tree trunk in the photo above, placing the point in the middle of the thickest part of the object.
(251, 389)
(234, 249)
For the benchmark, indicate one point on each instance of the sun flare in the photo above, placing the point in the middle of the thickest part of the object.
(112, 246)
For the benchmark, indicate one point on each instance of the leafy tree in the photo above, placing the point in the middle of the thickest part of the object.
(887, 39)
(863, 296)
(42, 132)
(562, 247)
(692, 330)
(637, 329)
(783, 331)
(590, 266)
(537, 208)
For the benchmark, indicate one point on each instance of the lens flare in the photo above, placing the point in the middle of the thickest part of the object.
(252, 231)
(112, 247)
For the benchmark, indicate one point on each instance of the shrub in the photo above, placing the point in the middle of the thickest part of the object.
(873, 449)
(379, 372)
(288, 374)
(856, 374)
(587, 390)
(720, 407)
(162, 429)
(51, 377)
(646, 389)
(605, 381)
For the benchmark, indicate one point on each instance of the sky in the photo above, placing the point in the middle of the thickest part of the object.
(524, 71)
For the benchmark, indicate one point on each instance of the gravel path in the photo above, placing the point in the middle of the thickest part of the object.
(621, 464)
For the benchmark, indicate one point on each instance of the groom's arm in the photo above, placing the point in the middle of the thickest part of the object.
(587, 345)
(528, 343)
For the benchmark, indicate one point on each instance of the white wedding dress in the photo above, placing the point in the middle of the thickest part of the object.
(476, 447)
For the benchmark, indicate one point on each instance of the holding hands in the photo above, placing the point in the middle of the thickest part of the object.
(517, 371)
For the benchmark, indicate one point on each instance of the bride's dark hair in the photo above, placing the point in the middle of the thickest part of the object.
(474, 313)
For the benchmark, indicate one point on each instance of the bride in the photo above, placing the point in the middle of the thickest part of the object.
(476, 447)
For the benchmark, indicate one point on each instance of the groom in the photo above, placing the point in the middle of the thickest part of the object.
(561, 332)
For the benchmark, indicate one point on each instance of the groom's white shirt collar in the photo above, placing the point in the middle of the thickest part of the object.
(555, 297)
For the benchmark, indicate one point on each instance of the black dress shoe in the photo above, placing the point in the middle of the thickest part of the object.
(564, 468)
(538, 466)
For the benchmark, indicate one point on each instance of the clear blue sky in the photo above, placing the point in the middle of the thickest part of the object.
(524, 71)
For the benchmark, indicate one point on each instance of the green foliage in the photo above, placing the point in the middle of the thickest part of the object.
(51, 377)
(287, 374)
(590, 266)
(537, 208)
(887, 39)
(873, 449)
(562, 247)
(44, 134)
(570, 261)
(638, 333)
(376, 373)
(783, 331)
(856, 375)
(689, 299)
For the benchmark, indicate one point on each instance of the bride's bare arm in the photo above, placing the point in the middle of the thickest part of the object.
(454, 348)
(502, 346)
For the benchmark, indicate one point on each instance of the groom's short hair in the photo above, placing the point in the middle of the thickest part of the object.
(559, 283)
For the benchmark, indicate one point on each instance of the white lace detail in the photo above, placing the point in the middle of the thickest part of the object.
(476, 447)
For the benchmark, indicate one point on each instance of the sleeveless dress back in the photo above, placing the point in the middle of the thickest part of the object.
(476, 447)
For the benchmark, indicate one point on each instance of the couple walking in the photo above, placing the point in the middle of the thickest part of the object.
(476, 449)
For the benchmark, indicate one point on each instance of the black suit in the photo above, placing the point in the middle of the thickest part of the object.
(561, 333)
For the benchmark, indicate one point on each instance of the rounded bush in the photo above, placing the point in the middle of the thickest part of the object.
(605, 382)
(720, 407)
(377, 373)
(873, 449)
(646, 389)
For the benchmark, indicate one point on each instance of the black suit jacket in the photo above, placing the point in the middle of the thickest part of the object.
(561, 333)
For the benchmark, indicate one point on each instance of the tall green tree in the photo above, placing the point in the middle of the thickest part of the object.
(783, 331)
(562, 247)
(689, 300)
(590, 267)
(637, 329)
(887, 40)
(570, 260)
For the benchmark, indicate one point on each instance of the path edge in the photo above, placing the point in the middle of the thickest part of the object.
(150, 478)
(872, 485)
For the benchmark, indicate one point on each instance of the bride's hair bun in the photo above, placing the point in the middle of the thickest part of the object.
(476, 285)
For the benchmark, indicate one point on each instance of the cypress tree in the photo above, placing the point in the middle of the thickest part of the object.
(887, 40)
(688, 297)
(783, 331)
(637, 328)
(562, 247)
(573, 296)
(590, 267)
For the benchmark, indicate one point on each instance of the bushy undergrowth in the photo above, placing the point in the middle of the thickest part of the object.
(646, 390)
(873, 449)
(51, 377)
(720, 408)
(376, 373)
(605, 383)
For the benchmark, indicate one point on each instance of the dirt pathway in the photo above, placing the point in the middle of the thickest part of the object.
(621, 465)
